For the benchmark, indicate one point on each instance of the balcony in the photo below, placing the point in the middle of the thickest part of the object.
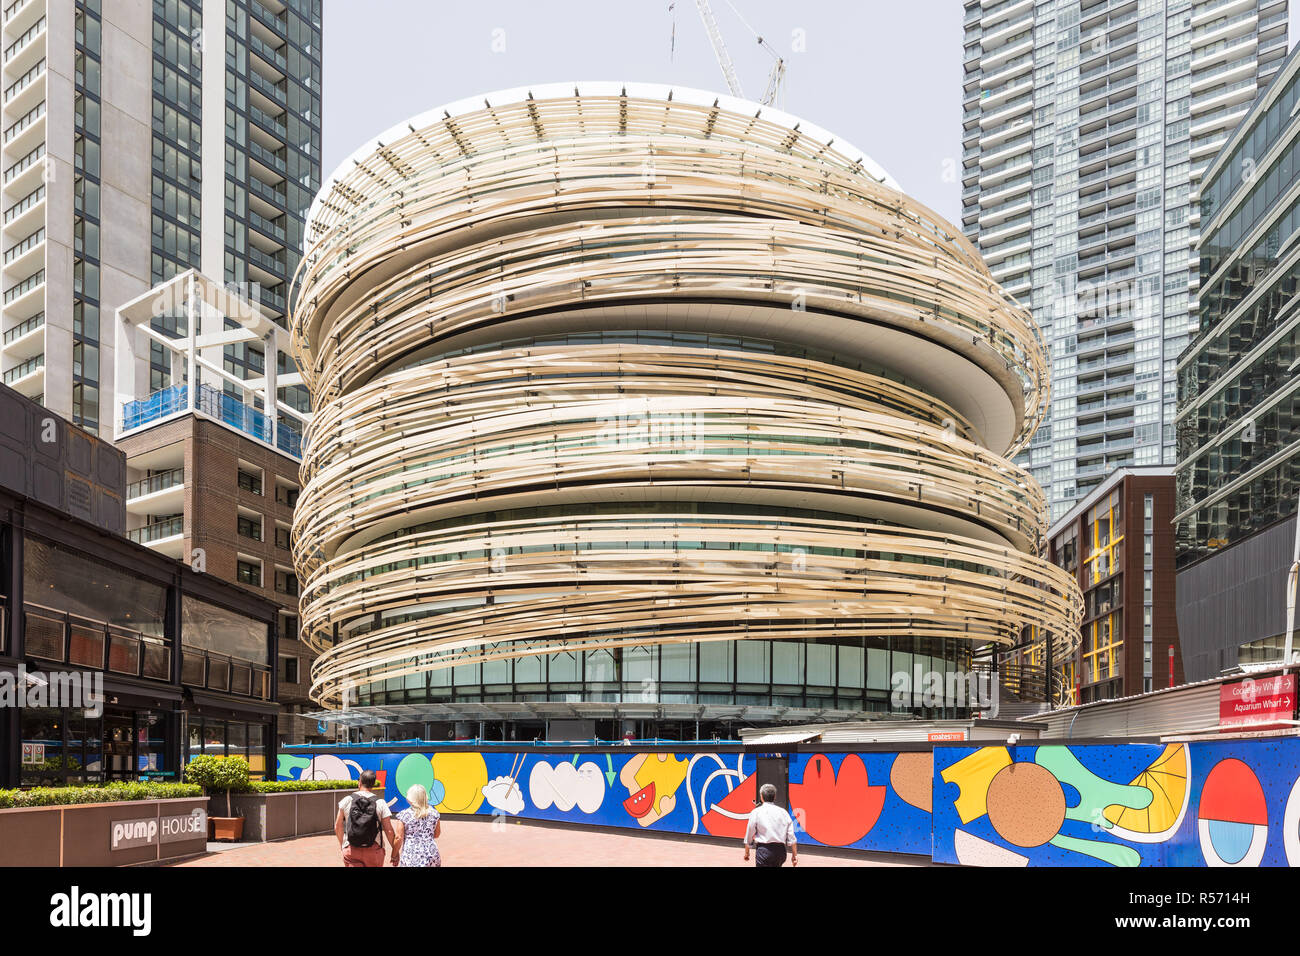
(272, 160)
(175, 478)
(14, 255)
(274, 266)
(14, 133)
(275, 93)
(269, 54)
(229, 675)
(268, 229)
(13, 53)
(270, 124)
(274, 198)
(20, 13)
(24, 213)
(215, 404)
(269, 18)
(19, 298)
(289, 440)
(163, 493)
(31, 161)
(24, 340)
(24, 83)
(158, 532)
(16, 374)
(63, 638)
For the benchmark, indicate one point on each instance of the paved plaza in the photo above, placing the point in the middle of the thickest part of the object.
(481, 843)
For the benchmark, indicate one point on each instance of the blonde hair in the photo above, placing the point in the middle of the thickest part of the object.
(418, 798)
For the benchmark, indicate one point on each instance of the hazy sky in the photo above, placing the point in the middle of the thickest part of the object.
(883, 74)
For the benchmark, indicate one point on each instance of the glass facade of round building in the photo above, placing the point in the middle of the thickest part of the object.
(659, 403)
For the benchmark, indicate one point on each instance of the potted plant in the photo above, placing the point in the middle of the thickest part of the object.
(216, 774)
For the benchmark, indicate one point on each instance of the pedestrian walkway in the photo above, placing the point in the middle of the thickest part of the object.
(483, 843)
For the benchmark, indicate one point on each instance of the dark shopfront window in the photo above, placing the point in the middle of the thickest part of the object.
(225, 738)
(55, 749)
(64, 746)
(135, 745)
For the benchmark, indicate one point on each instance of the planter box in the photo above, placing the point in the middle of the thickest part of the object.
(226, 828)
(275, 816)
(104, 834)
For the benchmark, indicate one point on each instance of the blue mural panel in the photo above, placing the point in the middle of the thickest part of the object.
(701, 792)
(1183, 804)
(866, 801)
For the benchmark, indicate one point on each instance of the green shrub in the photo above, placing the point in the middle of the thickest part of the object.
(96, 793)
(218, 774)
(298, 786)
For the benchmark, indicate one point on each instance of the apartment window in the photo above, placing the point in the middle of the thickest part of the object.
(289, 627)
(249, 572)
(250, 527)
(286, 582)
(282, 538)
(287, 495)
(288, 670)
(250, 482)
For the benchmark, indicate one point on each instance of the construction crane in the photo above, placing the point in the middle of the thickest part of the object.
(775, 79)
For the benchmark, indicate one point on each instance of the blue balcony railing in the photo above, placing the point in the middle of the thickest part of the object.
(231, 411)
(289, 440)
(216, 404)
(160, 404)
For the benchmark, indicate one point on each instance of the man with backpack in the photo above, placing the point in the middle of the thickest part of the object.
(361, 816)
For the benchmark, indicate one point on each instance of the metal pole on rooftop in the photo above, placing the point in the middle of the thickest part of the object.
(192, 359)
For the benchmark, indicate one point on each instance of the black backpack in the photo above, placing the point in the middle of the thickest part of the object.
(362, 827)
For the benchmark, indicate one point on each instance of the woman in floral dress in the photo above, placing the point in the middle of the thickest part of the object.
(418, 828)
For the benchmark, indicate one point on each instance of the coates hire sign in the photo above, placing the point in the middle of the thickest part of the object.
(1268, 702)
(150, 831)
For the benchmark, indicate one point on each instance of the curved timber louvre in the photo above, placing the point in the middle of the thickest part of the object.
(612, 368)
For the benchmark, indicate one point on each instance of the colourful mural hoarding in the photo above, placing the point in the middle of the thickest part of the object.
(694, 792)
(1204, 803)
(1230, 803)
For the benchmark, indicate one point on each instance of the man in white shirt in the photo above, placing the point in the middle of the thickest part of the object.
(770, 830)
(357, 825)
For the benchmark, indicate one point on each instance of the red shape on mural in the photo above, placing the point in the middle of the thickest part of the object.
(1231, 793)
(641, 802)
(730, 815)
(838, 809)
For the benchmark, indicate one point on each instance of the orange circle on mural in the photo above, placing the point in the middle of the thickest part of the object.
(912, 777)
(1026, 804)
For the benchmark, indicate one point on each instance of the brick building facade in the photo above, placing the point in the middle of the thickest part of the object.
(1119, 544)
(223, 503)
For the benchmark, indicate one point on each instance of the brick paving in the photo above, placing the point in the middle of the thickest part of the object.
(468, 842)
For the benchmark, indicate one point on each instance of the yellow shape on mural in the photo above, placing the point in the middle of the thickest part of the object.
(652, 781)
(973, 774)
(463, 777)
(1167, 778)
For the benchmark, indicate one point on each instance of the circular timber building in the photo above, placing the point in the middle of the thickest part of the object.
(639, 403)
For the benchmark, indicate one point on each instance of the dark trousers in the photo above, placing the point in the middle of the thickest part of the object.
(769, 854)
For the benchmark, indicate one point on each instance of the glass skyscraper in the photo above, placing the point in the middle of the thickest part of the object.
(1086, 128)
(1239, 417)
